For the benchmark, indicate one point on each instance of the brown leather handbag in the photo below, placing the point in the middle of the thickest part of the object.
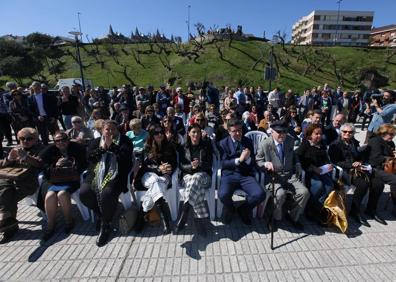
(64, 174)
(390, 165)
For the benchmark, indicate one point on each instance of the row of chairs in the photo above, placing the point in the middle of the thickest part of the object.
(175, 194)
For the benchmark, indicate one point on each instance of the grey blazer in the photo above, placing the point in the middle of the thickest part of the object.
(267, 152)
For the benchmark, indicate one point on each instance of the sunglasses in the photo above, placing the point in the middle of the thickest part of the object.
(76, 121)
(157, 132)
(60, 140)
(347, 131)
(25, 138)
(200, 119)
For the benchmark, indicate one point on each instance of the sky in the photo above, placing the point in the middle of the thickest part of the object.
(56, 17)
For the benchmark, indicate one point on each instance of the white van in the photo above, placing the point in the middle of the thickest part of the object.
(71, 81)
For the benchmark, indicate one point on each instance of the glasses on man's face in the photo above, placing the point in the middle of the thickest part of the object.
(199, 119)
(347, 131)
(76, 121)
(60, 140)
(25, 138)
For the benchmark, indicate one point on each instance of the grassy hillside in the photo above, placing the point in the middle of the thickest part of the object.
(227, 64)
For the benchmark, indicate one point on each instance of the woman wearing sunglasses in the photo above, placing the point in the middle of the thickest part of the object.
(346, 153)
(57, 189)
(155, 175)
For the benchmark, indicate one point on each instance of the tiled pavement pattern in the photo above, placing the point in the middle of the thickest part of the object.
(230, 253)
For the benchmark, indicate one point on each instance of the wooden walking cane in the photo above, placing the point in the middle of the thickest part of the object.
(273, 209)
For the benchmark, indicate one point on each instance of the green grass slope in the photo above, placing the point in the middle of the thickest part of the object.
(227, 63)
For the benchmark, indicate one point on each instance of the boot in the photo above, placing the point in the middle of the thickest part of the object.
(183, 217)
(164, 210)
(140, 222)
(201, 227)
(104, 234)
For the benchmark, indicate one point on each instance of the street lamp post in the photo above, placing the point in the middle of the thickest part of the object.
(338, 19)
(188, 23)
(76, 35)
(271, 59)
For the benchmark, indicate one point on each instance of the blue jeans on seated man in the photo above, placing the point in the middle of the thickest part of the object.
(321, 186)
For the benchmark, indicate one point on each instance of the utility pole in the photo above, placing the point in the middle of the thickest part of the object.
(76, 35)
(338, 19)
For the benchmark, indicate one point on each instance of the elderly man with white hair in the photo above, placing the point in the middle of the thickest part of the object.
(79, 132)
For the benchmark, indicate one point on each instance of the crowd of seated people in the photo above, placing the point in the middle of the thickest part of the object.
(100, 137)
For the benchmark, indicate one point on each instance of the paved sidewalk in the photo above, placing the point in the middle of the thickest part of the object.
(230, 253)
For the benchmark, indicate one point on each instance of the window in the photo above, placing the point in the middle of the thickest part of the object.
(326, 35)
(315, 26)
(317, 18)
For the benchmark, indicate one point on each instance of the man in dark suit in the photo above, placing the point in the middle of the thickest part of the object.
(45, 110)
(332, 131)
(237, 173)
(276, 154)
(177, 122)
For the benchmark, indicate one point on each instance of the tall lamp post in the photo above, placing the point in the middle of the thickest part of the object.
(188, 22)
(76, 35)
(338, 19)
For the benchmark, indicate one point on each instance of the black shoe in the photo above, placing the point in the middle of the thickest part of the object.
(359, 219)
(69, 227)
(376, 217)
(296, 224)
(47, 234)
(183, 217)
(8, 223)
(273, 226)
(7, 235)
(245, 214)
(165, 214)
(379, 219)
(227, 214)
(201, 227)
(104, 234)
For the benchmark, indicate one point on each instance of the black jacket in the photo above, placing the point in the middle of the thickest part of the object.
(205, 158)
(342, 155)
(379, 150)
(123, 152)
(51, 154)
(150, 164)
(312, 156)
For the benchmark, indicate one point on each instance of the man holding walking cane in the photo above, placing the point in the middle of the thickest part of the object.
(276, 155)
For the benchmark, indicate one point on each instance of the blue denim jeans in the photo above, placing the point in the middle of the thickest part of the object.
(321, 186)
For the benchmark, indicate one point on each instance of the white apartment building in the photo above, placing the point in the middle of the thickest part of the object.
(321, 27)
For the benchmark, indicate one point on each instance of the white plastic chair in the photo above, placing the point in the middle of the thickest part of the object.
(84, 211)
